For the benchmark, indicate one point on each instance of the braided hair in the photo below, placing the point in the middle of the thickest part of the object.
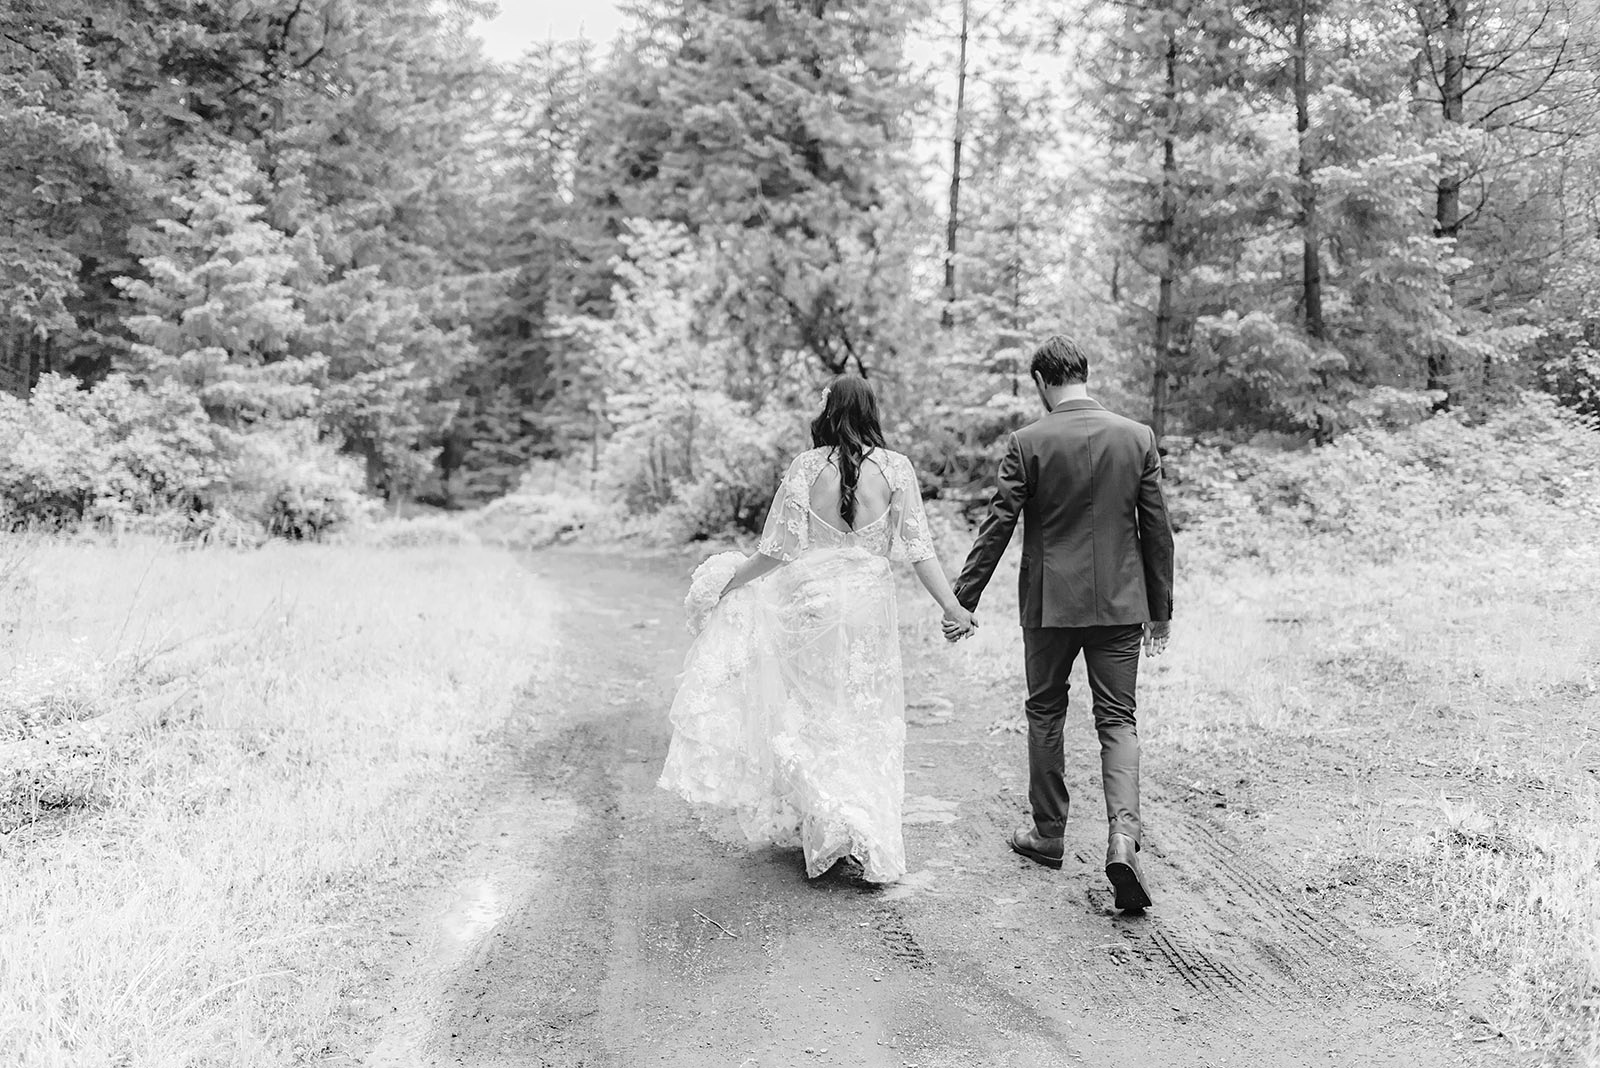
(849, 425)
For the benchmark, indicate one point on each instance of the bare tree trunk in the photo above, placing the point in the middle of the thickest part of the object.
(13, 373)
(1447, 206)
(948, 318)
(688, 442)
(594, 445)
(1311, 270)
(1159, 384)
(1452, 101)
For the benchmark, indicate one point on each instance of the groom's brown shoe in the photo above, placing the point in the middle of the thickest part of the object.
(1036, 847)
(1122, 868)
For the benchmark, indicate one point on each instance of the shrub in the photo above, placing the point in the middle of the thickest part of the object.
(418, 532)
(1568, 367)
(1375, 494)
(294, 485)
(701, 463)
(69, 454)
(533, 520)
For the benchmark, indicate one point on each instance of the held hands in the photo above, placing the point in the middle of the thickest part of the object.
(958, 623)
(1155, 637)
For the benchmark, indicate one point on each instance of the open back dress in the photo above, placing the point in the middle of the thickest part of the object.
(791, 709)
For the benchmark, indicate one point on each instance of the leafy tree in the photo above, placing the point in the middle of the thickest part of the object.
(665, 354)
(1506, 91)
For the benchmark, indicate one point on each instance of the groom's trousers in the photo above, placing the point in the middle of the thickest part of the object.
(1111, 655)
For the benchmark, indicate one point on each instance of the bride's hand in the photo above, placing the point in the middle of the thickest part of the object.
(741, 576)
(958, 623)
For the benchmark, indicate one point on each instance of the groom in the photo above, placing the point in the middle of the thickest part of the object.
(1096, 578)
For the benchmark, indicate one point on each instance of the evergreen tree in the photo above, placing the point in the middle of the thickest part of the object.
(775, 132)
(65, 189)
(1170, 98)
(530, 393)
(220, 311)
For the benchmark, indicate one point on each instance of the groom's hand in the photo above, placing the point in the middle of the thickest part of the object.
(958, 623)
(1155, 637)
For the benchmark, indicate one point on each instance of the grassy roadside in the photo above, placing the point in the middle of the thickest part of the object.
(1414, 742)
(218, 772)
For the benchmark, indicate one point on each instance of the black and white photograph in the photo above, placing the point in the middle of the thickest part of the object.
(799, 533)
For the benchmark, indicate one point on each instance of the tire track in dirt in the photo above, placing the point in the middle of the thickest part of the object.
(1230, 966)
(1232, 891)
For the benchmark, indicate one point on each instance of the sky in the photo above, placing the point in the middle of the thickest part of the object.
(522, 23)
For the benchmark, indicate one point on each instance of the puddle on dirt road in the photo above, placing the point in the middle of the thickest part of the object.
(478, 907)
(505, 874)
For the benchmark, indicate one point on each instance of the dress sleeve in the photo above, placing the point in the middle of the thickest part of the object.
(787, 533)
(912, 539)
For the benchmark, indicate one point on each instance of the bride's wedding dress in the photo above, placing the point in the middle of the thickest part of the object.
(791, 708)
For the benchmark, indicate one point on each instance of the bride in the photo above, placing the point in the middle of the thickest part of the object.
(791, 709)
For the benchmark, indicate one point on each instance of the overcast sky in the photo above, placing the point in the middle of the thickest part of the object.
(524, 22)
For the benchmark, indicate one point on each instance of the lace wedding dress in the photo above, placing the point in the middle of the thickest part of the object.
(791, 708)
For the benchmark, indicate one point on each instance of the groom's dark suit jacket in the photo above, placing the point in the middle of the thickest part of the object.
(1096, 544)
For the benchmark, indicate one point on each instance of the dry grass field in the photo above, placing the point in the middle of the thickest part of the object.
(220, 771)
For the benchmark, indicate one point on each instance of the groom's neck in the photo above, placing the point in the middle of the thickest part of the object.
(1072, 391)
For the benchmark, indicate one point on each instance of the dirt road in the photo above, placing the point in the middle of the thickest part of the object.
(603, 922)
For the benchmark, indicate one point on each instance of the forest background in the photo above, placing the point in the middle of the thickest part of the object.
(262, 260)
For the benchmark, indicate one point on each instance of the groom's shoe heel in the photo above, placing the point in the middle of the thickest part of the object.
(1036, 849)
(1122, 868)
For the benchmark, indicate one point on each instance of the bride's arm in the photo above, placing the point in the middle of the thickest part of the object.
(911, 530)
(754, 567)
(957, 619)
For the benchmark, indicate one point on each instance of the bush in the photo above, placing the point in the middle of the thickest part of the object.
(1567, 366)
(149, 460)
(533, 520)
(103, 455)
(293, 485)
(419, 531)
(1376, 494)
(701, 463)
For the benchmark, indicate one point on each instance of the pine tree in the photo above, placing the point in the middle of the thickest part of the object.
(1507, 91)
(530, 392)
(1169, 97)
(775, 132)
(219, 310)
(64, 188)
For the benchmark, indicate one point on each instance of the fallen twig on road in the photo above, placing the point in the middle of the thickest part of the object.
(715, 924)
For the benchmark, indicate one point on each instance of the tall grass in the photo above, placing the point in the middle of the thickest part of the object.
(211, 887)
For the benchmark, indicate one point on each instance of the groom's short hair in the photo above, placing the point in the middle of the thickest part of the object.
(1060, 362)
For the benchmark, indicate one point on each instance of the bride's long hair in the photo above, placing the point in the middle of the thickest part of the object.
(848, 423)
